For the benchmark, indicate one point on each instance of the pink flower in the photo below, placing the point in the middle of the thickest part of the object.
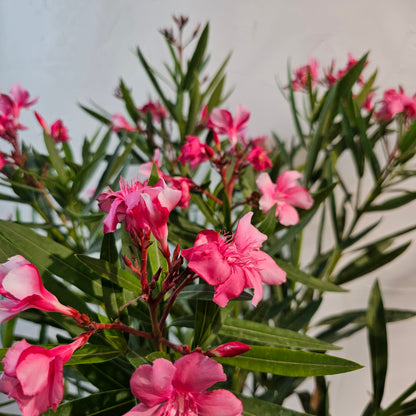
(156, 109)
(21, 285)
(222, 122)
(286, 194)
(368, 105)
(184, 185)
(396, 102)
(57, 131)
(300, 82)
(10, 106)
(120, 123)
(179, 389)
(33, 376)
(194, 152)
(332, 78)
(2, 161)
(141, 207)
(234, 263)
(230, 349)
(259, 159)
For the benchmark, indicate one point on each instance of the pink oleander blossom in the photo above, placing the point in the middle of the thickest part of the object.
(33, 376)
(21, 285)
(233, 263)
(179, 389)
(2, 161)
(156, 109)
(396, 102)
(300, 82)
(141, 207)
(222, 122)
(194, 152)
(120, 123)
(286, 194)
(57, 131)
(331, 77)
(259, 159)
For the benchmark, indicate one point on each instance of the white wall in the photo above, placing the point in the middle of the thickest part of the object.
(75, 51)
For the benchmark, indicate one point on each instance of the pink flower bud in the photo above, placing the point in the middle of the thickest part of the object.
(230, 349)
(21, 285)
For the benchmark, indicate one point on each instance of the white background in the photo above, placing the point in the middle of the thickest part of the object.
(68, 52)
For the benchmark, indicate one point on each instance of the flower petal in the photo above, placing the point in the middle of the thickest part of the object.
(23, 281)
(247, 237)
(231, 287)
(287, 214)
(153, 384)
(219, 403)
(196, 372)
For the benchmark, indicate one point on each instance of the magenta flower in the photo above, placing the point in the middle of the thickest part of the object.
(222, 122)
(120, 123)
(57, 131)
(141, 207)
(300, 82)
(194, 152)
(259, 159)
(286, 194)
(234, 263)
(2, 161)
(156, 109)
(21, 285)
(179, 389)
(33, 376)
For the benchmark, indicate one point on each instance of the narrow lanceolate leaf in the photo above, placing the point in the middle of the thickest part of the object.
(47, 255)
(377, 337)
(128, 101)
(197, 59)
(275, 337)
(393, 203)
(92, 354)
(205, 292)
(294, 109)
(369, 261)
(107, 403)
(290, 363)
(256, 407)
(293, 273)
(408, 140)
(55, 158)
(111, 272)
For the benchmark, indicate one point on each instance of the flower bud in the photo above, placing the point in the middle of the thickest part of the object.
(230, 349)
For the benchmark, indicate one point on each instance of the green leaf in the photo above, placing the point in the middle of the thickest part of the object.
(96, 115)
(293, 273)
(256, 407)
(408, 140)
(194, 106)
(365, 90)
(128, 101)
(205, 292)
(111, 272)
(107, 403)
(154, 176)
(268, 225)
(197, 59)
(294, 110)
(393, 202)
(150, 73)
(47, 255)
(290, 363)
(275, 337)
(90, 354)
(55, 158)
(369, 261)
(377, 337)
(207, 318)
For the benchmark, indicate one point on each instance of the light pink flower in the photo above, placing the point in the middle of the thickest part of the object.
(33, 376)
(179, 389)
(141, 207)
(194, 152)
(21, 285)
(21, 97)
(222, 122)
(120, 123)
(259, 159)
(286, 194)
(234, 263)
(229, 349)
(57, 131)
(300, 82)
(156, 109)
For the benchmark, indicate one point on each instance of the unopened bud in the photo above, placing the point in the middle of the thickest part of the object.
(230, 349)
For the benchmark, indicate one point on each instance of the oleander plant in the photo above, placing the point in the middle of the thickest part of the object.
(172, 267)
